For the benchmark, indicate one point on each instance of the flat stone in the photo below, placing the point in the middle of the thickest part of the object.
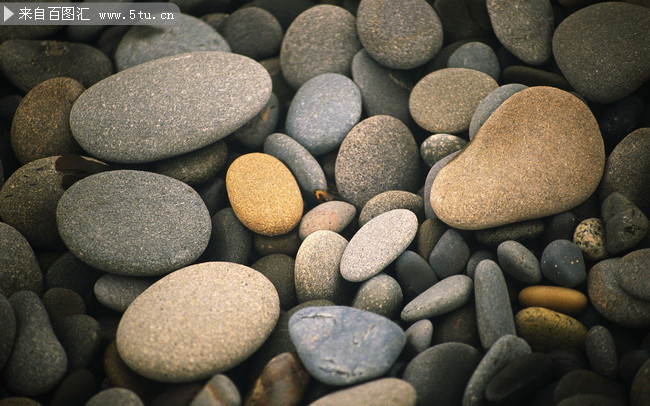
(414, 274)
(520, 378)
(450, 255)
(79, 336)
(341, 345)
(284, 377)
(447, 295)
(196, 167)
(230, 240)
(8, 333)
(384, 391)
(493, 310)
(438, 146)
(19, 269)
(239, 303)
(490, 103)
(556, 298)
(333, 216)
(633, 276)
(478, 56)
(589, 236)
(601, 352)
(380, 294)
(254, 32)
(115, 396)
(486, 186)
(378, 243)
(517, 261)
(117, 292)
(391, 200)
(218, 391)
(158, 110)
(264, 194)
(131, 223)
(562, 263)
(377, 155)
(279, 269)
(546, 329)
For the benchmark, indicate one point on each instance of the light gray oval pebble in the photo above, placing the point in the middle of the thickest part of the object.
(447, 295)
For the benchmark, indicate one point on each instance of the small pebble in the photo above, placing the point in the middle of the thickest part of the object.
(447, 295)
(546, 329)
(589, 236)
(61, 303)
(79, 336)
(116, 292)
(279, 269)
(562, 263)
(450, 255)
(8, 332)
(523, 376)
(287, 244)
(380, 294)
(254, 132)
(521, 232)
(517, 261)
(75, 389)
(238, 244)
(476, 258)
(557, 298)
(625, 224)
(19, 269)
(195, 167)
(282, 381)
(333, 216)
(391, 200)
(458, 326)
(384, 391)
(493, 310)
(634, 276)
(428, 235)
(419, 335)
(490, 103)
(252, 31)
(438, 146)
(478, 56)
(601, 352)
(218, 391)
(639, 390)
(413, 274)
(115, 396)
(583, 381)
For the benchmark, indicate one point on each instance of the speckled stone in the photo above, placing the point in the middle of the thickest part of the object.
(552, 174)
(589, 236)
(253, 31)
(341, 345)
(218, 391)
(153, 112)
(380, 294)
(418, 336)
(41, 124)
(116, 292)
(414, 274)
(61, 303)
(493, 310)
(401, 34)
(230, 240)
(438, 146)
(478, 56)
(378, 243)
(447, 295)
(633, 276)
(115, 396)
(602, 50)
(562, 263)
(444, 101)
(490, 103)
(428, 182)
(546, 329)
(196, 167)
(279, 269)
(26, 63)
(428, 235)
(519, 379)
(601, 352)
(264, 194)
(625, 224)
(521, 232)
(240, 304)
(254, 133)
(321, 39)
(377, 155)
(450, 255)
(8, 332)
(19, 269)
(333, 216)
(517, 261)
(79, 336)
(133, 223)
(385, 392)
(391, 200)
(557, 298)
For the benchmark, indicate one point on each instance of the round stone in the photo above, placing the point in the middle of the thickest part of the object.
(490, 103)
(589, 236)
(391, 200)
(196, 167)
(438, 146)
(384, 391)
(61, 303)
(333, 216)
(463, 20)
(418, 336)
(517, 261)
(450, 255)
(447, 295)
(601, 352)
(625, 229)
(264, 194)
(133, 223)
(563, 264)
(547, 330)
(116, 292)
(557, 298)
(19, 269)
(380, 294)
(284, 377)
(79, 335)
(494, 316)
(218, 389)
(476, 258)
(478, 56)
(279, 269)
(239, 304)
(253, 31)
(520, 378)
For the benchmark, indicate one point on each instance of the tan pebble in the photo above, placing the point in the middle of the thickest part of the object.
(557, 298)
(589, 236)
(547, 330)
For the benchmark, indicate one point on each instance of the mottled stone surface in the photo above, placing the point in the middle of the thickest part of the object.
(546, 329)
(493, 310)
(332, 216)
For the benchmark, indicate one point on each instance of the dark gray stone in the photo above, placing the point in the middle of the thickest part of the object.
(491, 102)
(196, 167)
(213, 193)
(254, 32)
(619, 119)
(79, 336)
(560, 227)
(8, 332)
(463, 19)
(19, 269)
(230, 240)
(517, 261)
(380, 294)
(450, 255)
(284, 10)
(562, 263)
(447, 295)
(391, 200)
(601, 352)
(625, 224)
(476, 55)
(639, 388)
(522, 377)
(77, 387)
(117, 292)
(279, 269)
(61, 303)
(614, 204)
(633, 276)
(419, 335)
(493, 311)
(69, 272)
(413, 274)
(218, 391)
(583, 381)
(521, 232)
(115, 396)
(458, 326)
(589, 399)
(476, 259)
(254, 133)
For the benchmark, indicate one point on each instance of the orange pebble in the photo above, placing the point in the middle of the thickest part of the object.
(563, 300)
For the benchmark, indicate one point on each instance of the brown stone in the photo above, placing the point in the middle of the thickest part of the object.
(557, 298)
(547, 330)
(282, 381)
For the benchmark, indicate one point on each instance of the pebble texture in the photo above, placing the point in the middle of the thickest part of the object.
(239, 303)
(601, 352)
(391, 200)
(490, 103)
(438, 146)
(450, 255)
(117, 292)
(589, 236)
(158, 110)
(634, 276)
(253, 32)
(133, 222)
(279, 269)
(517, 261)
(196, 167)
(562, 263)
(486, 186)
(447, 295)
(546, 330)
(385, 392)
(478, 56)
(218, 391)
(557, 298)
(115, 396)
(19, 269)
(380, 294)
(333, 216)
(236, 247)
(493, 311)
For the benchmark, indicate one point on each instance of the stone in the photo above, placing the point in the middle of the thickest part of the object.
(79, 336)
(458, 326)
(117, 292)
(230, 240)
(530, 76)
(119, 375)
(41, 124)
(602, 52)
(583, 381)
(589, 236)
(546, 329)
(177, 394)
(445, 100)
(168, 114)
(391, 200)
(476, 189)
(562, 263)
(283, 380)
(462, 20)
(517, 261)
(519, 379)
(588, 399)
(633, 275)
(614, 204)
(264, 194)
(333, 216)
(625, 229)
(213, 193)
(61, 303)
(380, 294)
(8, 333)
(115, 396)
(413, 274)
(399, 35)
(196, 167)
(522, 232)
(493, 310)
(490, 103)
(438, 146)
(322, 39)
(418, 336)
(254, 32)
(75, 389)
(630, 363)
(556, 298)
(26, 63)
(323, 111)
(240, 305)
(447, 295)
(428, 235)
(478, 56)
(384, 391)
(279, 269)
(218, 391)
(560, 227)
(37, 362)
(67, 271)
(639, 388)
(450, 255)
(619, 119)
(281, 88)
(440, 373)
(254, 133)
(282, 244)
(378, 243)
(340, 345)
(601, 352)
(133, 223)
(476, 258)
(19, 269)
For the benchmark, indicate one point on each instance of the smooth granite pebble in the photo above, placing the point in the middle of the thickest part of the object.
(279, 269)
(490, 103)
(341, 345)
(115, 396)
(19, 269)
(546, 329)
(377, 155)
(385, 392)
(230, 240)
(438, 146)
(196, 167)
(562, 263)
(333, 216)
(133, 223)
(525, 375)
(143, 43)
(391, 200)
(239, 303)
(633, 276)
(583, 381)
(494, 315)
(253, 32)
(152, 112)
(601, 352)
(414, 274)
(264, 194)
(116, 292)
(476, 190)
(478, 56)
(625, 224)
(517, 261)
(8, 332)
(418, 336)
(378, 243)
(440, 373)
(218, 391)
(323, 111)
(283, 380)
(254, 133)
(380, 294)
(321, 39)
(450, 255)
(79, 336)
(447, 295)
(589, 236)
(563, 300)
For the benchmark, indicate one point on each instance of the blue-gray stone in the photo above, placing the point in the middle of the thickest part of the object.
(490, 103)
(450, 255)
(144, 43)
(476, 55)
(133, 223)
(341, 345)
(431, 176)
(494, 316)
(230, 240)
(254, 133)
(117, 292)
(323, 111)
(445, 296)
(413, 274)
(517, 261)
(562, 263)
(8, 331)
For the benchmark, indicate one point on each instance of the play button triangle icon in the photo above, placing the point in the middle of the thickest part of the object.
(7, 13)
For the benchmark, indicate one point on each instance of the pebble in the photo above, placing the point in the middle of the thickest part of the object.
(630, 363)
(61, 303)
(588, 399)
(384, 391)
(583, 381)
(476, 258)
(431, 176)
(40, 126)
(253, 32)
(116, 292)
(239, 303)
(174, 395)
(440, 373)
(380, 294)
(449, 294)
(625, 224)
(438, 146)
(129, 222)
(281, 88)
(254, 133)
(169, 114)
(18, 267)
(323, 111)
(282, 381)
(428, 235)
(601, 352)
(472, 191)
(378, 243)
(589, 236)
(556, 298)
(614, 29)
(494, 315)
(75, 389)
(560, 227)
(391, 200)
(445, 100)
(282, 244)
(639, 389)
(562, 263)
(213, 193)
(522, 232)
(143, 43)
(196, 167)
(316, 271)
(120, 375)
(450, 255)
(462, 21)
(115, 396)
(8, 332)
(490, 103)
(279, 269)
(517, 380)
(27, 63)
(79, 337)
(236, 247)
(340, 345)
(334, 216)
(633, 276)
(419, 336)
(478, 56)
(218, 391)
(414, 274)
(620, 118)
(264, 194)
(546, 329)
(530, 76)
(458, 326)
(517, 261)
(402, 35)
(320, 40)
(69, 272)
(37, 362)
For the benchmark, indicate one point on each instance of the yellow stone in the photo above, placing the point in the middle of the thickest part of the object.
(547, 330)
(557, 298)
